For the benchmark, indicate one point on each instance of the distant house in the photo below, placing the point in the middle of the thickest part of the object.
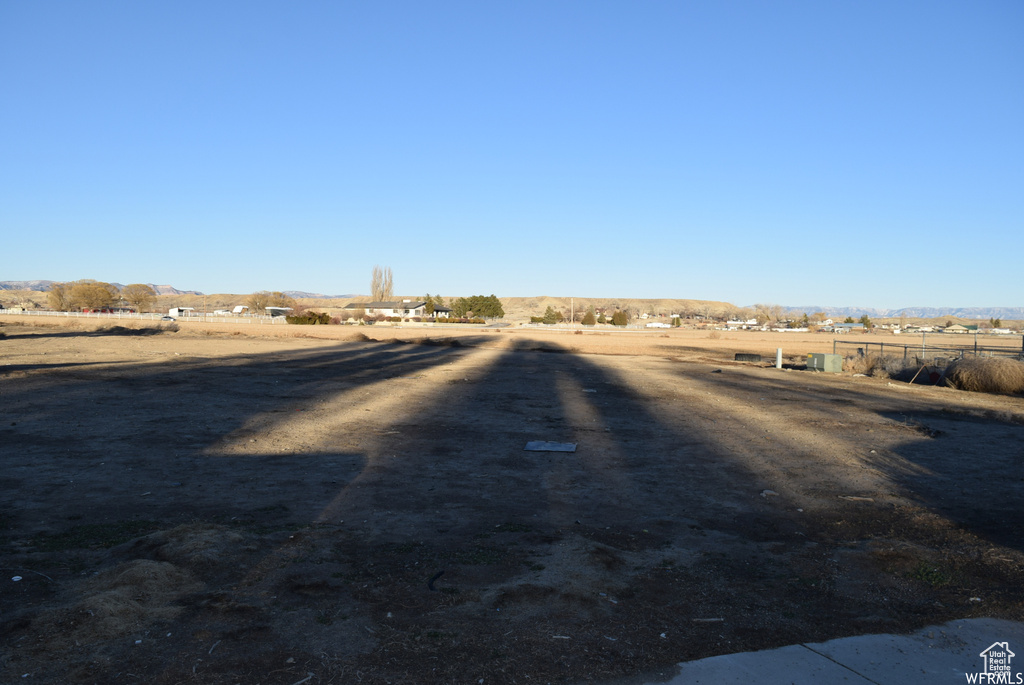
(181, 311)
(278, 311)
(955, 328)
(404, 309)
(240, 309)
(848, 327)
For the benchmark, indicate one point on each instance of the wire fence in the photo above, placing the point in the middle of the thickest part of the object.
(926, 352)
(211, 318)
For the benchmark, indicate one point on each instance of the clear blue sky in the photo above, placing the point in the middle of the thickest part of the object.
(832, 153)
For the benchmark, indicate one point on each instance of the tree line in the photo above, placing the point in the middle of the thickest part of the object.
(90, 294)
(486, 307)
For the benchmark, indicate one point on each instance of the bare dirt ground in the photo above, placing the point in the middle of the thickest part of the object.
(197, 506)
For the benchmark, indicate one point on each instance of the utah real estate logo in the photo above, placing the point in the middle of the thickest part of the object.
(997, 658)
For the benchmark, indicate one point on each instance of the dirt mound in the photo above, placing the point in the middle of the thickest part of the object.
(116, 602)
(192, 545)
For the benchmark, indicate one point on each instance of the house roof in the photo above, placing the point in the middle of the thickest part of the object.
(415, 304)
(386, 305)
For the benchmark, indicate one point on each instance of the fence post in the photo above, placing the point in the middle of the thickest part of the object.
(834, 345)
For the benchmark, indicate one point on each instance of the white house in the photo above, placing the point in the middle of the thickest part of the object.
(404, 309)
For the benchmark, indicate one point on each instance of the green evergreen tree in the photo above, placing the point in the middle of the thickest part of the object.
(589, 319)
(551, 316)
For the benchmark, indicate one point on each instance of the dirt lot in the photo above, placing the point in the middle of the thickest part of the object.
(197, 506)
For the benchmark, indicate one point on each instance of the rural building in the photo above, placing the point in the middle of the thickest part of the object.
(848, 327)
(240, 309)
(955, 328)
(278, 311)
(181, 311)
(405, 308)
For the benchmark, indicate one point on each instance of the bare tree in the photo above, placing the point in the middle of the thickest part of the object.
(260, 300)
(138, 295)
(90, 294)
(381, 284)
(59, 297)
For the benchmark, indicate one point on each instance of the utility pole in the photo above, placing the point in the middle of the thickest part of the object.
(572, 312)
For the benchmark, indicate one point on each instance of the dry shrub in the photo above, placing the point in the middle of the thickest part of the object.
(714, 335)
(119, 601)
(987, 374)
(358, 337)
(879, 366)
(855, 363)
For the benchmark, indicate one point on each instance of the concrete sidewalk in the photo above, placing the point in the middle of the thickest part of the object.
(932, 656)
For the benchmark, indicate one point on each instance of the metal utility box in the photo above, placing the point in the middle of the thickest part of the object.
(831, 363)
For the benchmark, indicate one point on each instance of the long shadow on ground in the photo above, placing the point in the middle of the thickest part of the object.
(402, 532)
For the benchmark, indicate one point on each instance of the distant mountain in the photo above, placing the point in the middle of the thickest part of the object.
(1007, 313)
(39, 286)
(299, 294)
(43, 286)
(167, 289)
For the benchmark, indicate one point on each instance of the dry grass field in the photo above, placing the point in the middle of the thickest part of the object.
(282, 504)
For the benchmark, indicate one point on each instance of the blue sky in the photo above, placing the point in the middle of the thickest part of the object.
(832, 153)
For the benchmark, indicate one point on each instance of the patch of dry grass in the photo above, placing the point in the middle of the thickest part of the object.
(192, 545)
(987, 374)
(122, 600)
(879, 366)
